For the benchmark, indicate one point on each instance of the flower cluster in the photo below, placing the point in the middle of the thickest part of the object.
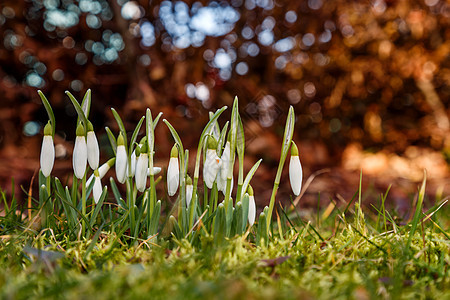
(134, 167)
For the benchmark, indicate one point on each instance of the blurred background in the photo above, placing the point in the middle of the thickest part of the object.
(369, 81)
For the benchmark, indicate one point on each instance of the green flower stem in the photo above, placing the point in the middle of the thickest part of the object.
(197, 167)
(215, 195)
(205, 197)
(233, 132)
(74, 191)
(287, 140)
(48, 202)
(83, 203)
(130, 203)
(151, 203)
(48, 184)
(150, 134)
(228, 199)
(240, 147)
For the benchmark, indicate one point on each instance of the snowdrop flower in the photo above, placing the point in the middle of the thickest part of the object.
(142, 169)
(295, 171)
(156, 170)
(224, 167)
(80, 153)
(222, 183)
(212, 163)
(225, 160)
(133, 163)
(251, 206)
(102, 170)
(121, 160)
(93, 151)
(97, 190)
(189, 190)
(173, 172)
(47, 151)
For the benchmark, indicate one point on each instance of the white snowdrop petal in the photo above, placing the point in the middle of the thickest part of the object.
(103, 170)
(173, 176)
(88, 182)
(251, 210)
(221, 183)
(47, 155)
(141, 172)
(121, 163)
(133, 164)
(225, 161)
(189, 190)
(97, 189)
(211, 167)
(295, 175)
(156, 170)
(79, 159)
(93, 150)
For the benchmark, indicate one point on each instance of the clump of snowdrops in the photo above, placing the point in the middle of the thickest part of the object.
(90, 205)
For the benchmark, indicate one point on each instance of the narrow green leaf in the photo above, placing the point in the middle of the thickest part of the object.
(176, 230)
(175, 135)
(93, 242)
(112, 139)
(245, 203)
(156, 120)
(135, 134)
(222, 139)
(261, 232)
(98, 206)
(49, 110)
(121, 126)
(249, 177)
(115, 190)
(418, 211)
(154, 221)
(78, 109)
(86, 103)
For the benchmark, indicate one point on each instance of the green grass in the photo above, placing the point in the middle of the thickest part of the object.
(349, 252)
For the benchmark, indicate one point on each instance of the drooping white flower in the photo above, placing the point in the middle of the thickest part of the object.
(251, 206)
(102, 170)
(79, 158)
(295, 171)
(224, 167)
(156, 170)
(142, 169)
(173, 172)
(189, 190)
(226, 154)
(121, 160)
(93, 151)
(97, 189)
(133, 163)
(222, 183)
(211, 164)
(47, 151)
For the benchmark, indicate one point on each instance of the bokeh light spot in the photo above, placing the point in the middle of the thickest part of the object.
(31, 128)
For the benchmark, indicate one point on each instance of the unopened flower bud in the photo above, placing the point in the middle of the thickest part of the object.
(79, 158)
(47, 159)
(295, 170)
